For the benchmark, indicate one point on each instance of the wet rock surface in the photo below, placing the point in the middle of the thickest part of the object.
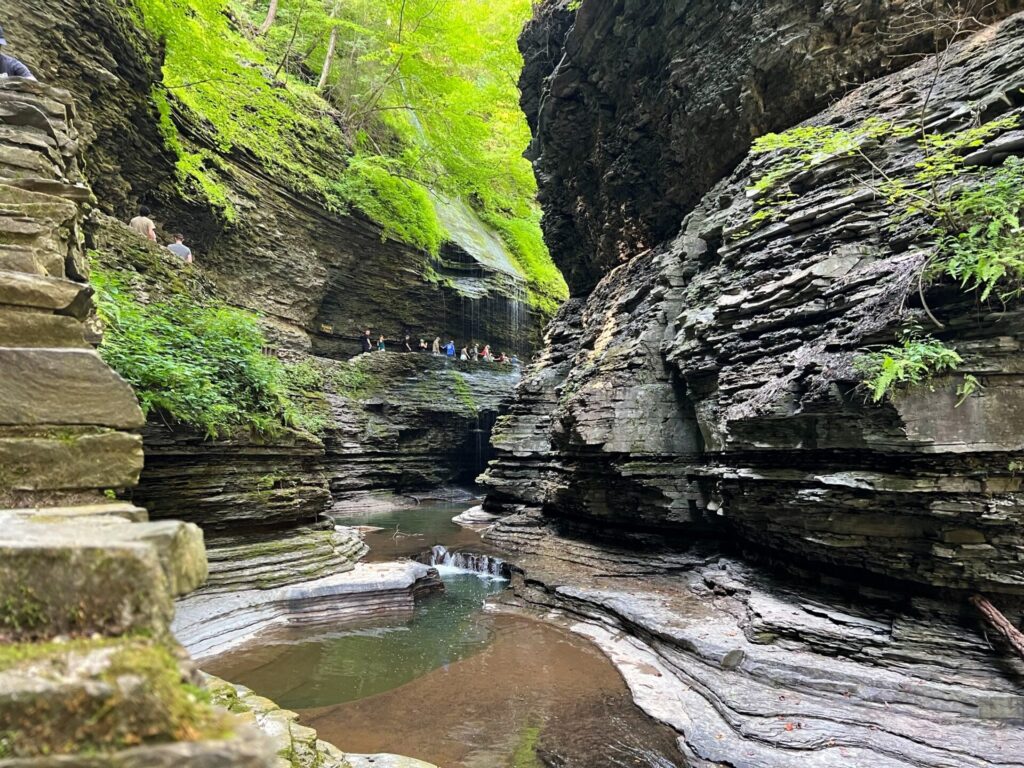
(756, 670)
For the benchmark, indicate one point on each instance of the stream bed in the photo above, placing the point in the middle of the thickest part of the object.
(456, 685)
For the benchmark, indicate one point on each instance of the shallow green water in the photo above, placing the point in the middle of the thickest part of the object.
(454, 685)
(409, 532)
(301, 669)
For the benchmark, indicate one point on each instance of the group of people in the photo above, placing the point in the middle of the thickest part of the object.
(147, 228)
(467, 354)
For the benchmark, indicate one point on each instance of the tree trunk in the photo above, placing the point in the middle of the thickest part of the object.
(269, 21)
(329, 58)
(999, 622)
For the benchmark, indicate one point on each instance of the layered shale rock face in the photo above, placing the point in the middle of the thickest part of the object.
(90, 673)
(757, 671)
(713, 375)
(704, 393)
(637, 108)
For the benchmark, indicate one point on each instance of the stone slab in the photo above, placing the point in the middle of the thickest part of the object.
(64, 386)
(61, 583)
(36, 329)
(24, 290)
(70, 462)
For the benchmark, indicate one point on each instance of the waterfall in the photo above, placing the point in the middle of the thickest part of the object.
(467, 562)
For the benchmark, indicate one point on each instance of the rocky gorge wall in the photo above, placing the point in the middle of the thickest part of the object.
(691, 471)
(712, 377)
(315, 277)
(319, 277)
(91, 675)
(637, 108)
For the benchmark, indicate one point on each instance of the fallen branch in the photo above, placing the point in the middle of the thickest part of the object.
(999, 622)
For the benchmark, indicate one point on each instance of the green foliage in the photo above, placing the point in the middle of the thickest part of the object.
(800, 149)
(914, 361)
(422, 96)
(942, 163)
(985, 249)
(199, 363)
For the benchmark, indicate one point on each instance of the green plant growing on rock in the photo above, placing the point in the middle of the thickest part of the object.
(198, 362)
(424, 103)
(983, 246)
(349, 380)
(804, 148)
(915, 361)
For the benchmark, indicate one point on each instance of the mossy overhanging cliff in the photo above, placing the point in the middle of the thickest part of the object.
(418, 144)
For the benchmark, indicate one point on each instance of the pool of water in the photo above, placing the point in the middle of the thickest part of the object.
(408, 532)
(301, 668)
(456, 685)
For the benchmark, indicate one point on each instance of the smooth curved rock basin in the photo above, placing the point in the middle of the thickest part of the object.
(210, 624)
(456, 685)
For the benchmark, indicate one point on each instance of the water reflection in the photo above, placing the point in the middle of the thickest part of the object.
(456, 686)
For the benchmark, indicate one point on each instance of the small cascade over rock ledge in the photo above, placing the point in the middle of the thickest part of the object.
(441, 557)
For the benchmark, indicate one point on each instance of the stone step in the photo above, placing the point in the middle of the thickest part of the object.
(114, 702)
(77, 570)
(294, 744)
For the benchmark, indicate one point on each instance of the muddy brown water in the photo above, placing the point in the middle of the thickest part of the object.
(456, 685)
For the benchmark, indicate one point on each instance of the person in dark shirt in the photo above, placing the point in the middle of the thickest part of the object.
(367, 341)
(10, 66)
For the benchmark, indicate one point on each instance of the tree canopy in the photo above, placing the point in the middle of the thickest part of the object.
(383, 102)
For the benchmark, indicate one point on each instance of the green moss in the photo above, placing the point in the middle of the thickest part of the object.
(139, 697)
(192, 166)
(463, 392)
(354, 379)
(22, 610)
(525, 755)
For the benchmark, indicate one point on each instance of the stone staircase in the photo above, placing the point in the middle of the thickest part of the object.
(90, 674)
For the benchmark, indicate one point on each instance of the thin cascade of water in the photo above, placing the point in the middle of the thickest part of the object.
(467, 562)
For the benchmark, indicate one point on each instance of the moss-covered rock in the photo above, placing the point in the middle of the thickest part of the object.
(99, 696)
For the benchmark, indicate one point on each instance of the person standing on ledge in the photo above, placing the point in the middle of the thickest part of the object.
(380, 343)
(436, 348)
(143, 224)
(179, 249)
(10, 66)
(366, 341)
(449, 349)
